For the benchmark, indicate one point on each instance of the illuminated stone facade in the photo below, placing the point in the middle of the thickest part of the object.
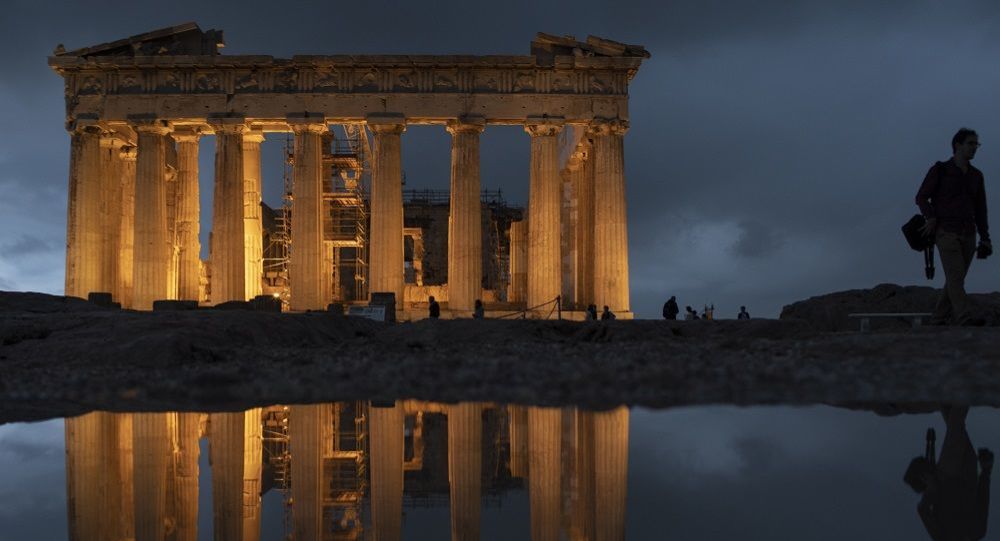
(155, 94)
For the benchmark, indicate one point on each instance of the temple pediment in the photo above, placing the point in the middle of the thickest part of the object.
(185, 39)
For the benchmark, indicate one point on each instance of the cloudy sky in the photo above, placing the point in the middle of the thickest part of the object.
(774, 152)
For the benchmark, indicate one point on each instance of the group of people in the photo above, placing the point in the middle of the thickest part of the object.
(671, 311)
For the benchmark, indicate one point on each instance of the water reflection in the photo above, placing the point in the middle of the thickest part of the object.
(346, 469)
(955, 487)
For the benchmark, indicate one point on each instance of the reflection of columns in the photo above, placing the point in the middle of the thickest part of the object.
(252, 225)
(385, 252)
(126, 453)
(126, 224)
(518, 441)
(385, 428)
(518, 261)
(610, 233)
(545, 264)
(584, 188)
(151, 446)
(253, 454)
(544, 435)
(465, 230)
(610, 473)
(151, 248)
(188, 216)
(306, 266)
(236, 470)
(186, 495)
(306, 446)
(228, 257)
(83, 231)
(583, 510)
(465, 439)
(94, 484)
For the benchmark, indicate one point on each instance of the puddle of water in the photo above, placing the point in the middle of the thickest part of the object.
(419, 470)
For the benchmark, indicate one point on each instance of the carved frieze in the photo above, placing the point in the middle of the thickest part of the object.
(207, 82)
(188, 77)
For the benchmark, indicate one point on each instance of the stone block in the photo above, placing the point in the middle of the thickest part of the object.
(100, 298)
(335, 308)
(387, 299)
(266, 303)
(173, 306)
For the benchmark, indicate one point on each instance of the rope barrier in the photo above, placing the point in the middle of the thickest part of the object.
(524, 313)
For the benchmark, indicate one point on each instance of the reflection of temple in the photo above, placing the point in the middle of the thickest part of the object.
(344, 468)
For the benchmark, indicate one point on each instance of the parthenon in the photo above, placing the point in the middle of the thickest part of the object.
(136, 108)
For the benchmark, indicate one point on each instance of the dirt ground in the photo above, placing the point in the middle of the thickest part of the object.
(62, 356)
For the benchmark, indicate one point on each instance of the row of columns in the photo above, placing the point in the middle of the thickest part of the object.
(119, 232)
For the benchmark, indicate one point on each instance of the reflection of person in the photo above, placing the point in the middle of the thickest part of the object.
(955, 498)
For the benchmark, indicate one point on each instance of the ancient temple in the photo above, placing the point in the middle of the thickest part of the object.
(136, 108)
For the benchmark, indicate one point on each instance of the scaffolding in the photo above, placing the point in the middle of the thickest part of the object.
(345, 197)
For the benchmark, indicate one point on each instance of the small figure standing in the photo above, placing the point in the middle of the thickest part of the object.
(592, 312)
(743, 313)
(607, 314)
(690, 314)
(433, 308)
(478, 312)
(670, 309)
(953, 200)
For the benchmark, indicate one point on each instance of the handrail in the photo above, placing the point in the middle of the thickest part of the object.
(524, 313)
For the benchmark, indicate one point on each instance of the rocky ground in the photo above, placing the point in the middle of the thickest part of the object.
(62, 356)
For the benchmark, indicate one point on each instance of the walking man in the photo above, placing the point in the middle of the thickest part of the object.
(952, 199)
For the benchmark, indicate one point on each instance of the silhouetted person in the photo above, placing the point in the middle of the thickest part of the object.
(478, 312)
(953, 200)
(690, 314)
(956, 500)
(592, 312)
(670, 309)
(433, 308)
(607, 314)
(743, 313)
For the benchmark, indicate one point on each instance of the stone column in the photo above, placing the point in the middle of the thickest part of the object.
(188, 216)
(544, 454)
(126, 235)
(518, 261)
(151, 444)
(465, 463)
(252, 226)
(228, 254)
(610, 473)
(544, 198)
(385, 429)
(186, 460)
(306, 447)
(465, 230)
(610, 228)
(152, 251)
(385, 250)
(584, 182)
(306, 265)
(111, 212)
(84, 246)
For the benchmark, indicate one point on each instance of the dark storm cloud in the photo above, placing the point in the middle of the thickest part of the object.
(812, 120)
